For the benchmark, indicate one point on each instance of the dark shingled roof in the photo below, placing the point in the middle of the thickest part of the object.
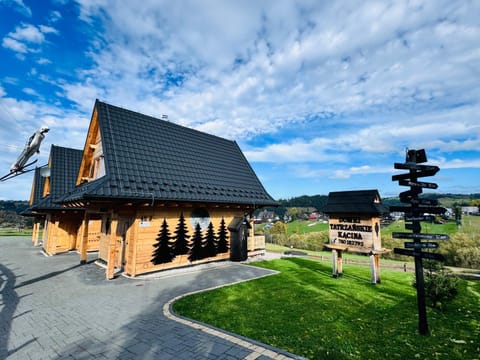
(151, 159)
(64, 165)
(355, 202)
(37, 188)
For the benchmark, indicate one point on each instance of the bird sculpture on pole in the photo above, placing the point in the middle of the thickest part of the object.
(21, 165)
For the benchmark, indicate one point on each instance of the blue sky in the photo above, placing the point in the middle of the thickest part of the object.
(321, 96)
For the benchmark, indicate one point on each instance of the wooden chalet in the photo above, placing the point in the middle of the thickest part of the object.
(35, 197)
(61, 225)
(354, 225)
(168, 196)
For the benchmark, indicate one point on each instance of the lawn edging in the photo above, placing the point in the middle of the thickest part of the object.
(258, 349)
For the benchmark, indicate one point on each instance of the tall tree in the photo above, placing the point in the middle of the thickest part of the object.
(210, 242)
(197, 251)
(181, 237)
(222, 238)
(164, 249)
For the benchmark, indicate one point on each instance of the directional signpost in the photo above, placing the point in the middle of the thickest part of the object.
(424, 245)
(415, 212)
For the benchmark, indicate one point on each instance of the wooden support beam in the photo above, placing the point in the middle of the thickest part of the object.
(375, 268)
(111, 249)
(36, 232)
(84, 240)
(337, 263)
(45, 232)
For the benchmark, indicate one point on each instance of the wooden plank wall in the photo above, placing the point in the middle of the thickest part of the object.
(145, 228)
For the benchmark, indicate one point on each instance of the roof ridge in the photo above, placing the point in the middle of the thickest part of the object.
(164, 121)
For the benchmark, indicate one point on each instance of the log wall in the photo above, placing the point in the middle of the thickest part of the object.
(142, 232)
(63, 233)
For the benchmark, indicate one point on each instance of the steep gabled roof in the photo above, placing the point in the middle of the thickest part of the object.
(355, 202)
(63, 163)
(148, 158)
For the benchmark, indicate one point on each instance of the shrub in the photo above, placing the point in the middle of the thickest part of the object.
(440, 285)
(311, 241)
(462, 250)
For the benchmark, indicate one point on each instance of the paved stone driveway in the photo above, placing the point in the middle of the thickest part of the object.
(53, 308)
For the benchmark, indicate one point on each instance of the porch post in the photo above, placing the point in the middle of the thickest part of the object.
(84, 240)
(339, 264)
(35, 232)
(111, 249)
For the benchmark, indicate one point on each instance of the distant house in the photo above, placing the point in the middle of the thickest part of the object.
(313, 216)
(265, 216)
(167, 195)
(469, 210)
(61, 225)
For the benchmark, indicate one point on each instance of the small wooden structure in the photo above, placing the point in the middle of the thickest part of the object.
(61, 225)
(354, 225)
(166, 194)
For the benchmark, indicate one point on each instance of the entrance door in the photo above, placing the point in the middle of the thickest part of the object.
(121, 242)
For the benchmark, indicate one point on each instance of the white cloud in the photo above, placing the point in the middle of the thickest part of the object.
(27, 38)
(318, 84)
(55, 15)
(30, 91)
(14, 45)
(29, 33)
(43, 61)
(19, 6)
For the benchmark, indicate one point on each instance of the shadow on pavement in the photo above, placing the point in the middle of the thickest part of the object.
(9, 304)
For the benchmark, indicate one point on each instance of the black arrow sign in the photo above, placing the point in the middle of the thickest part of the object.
(417, 173)
(419, 184)
(418, 218)
(416, 253)
(421, 245)
(413, 166)
(428, 202)
(407, 199)
(403, 235)
(419, 210)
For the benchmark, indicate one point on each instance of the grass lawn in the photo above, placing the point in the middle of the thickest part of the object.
(305, 227)
(15, 232)
(449, 228)
(305, 311)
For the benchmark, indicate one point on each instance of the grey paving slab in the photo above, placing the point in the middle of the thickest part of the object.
(55, 308)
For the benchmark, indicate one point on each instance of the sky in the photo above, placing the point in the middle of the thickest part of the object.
(321, 96)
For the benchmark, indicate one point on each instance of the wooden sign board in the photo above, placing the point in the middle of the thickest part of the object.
(355, 232)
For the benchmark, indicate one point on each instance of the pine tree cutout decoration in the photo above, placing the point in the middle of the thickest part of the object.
(181, 237)
(197, 251)
(164, 251)
(210, 242)
(222, 237)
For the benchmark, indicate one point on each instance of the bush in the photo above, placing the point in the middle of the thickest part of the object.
(314, 241)
(462, 250)
(440, 285)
